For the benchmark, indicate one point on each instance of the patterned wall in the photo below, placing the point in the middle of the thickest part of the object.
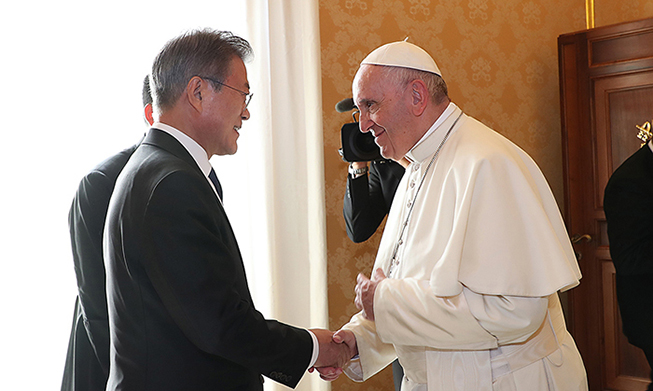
(499, 58)
(608, 12)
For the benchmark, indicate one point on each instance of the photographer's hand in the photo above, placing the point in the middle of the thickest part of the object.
(358, 165)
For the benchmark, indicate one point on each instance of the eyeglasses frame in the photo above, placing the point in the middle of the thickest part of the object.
(248, 95)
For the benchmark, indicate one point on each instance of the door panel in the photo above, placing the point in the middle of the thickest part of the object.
(621, 102)
(606, 84)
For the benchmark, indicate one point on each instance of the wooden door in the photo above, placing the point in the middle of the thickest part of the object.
(606, 84)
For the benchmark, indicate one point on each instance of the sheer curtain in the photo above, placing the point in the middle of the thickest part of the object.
(71, 84)
(282, 201)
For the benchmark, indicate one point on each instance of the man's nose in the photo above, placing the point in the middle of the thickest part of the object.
(245, 114)
(364, 123)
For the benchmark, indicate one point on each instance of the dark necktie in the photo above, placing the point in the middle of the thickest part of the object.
(216, 182)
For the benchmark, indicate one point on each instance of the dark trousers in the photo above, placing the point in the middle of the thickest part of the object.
(397, 374)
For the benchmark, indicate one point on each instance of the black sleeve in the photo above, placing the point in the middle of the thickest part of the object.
(629, 212)
(86, 223)
(368, 200)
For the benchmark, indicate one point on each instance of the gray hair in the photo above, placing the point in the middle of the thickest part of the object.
(435, 84)
(204, 52)
(147, 92)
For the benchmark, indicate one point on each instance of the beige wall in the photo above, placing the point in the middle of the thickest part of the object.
(608, 12)
(499, 58)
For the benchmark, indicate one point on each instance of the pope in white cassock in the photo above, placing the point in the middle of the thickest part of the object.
(465, 284)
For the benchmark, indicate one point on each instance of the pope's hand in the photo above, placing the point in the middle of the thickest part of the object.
(365, 289)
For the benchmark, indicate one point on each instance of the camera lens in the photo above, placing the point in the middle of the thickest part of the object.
(358, 146)
(364, 143)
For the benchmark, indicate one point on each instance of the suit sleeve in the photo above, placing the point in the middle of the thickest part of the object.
(364, 205)
(630, 223)
(195, 266)
(86, 222)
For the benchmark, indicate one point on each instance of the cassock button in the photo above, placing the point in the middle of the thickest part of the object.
(412, 184)
(409, 204)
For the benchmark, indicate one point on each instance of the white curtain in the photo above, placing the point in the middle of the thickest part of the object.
(281, 154)
(71, 87)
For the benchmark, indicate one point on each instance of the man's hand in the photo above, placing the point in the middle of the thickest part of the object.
(344, 338)
(365, 289)
(332, 354)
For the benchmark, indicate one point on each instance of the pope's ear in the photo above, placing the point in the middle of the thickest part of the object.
(419, 96)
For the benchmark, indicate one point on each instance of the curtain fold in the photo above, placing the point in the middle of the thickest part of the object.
(284, 207)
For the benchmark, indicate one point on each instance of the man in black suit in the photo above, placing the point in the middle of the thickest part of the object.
(87, 360)
(628, 205)
(180, 311)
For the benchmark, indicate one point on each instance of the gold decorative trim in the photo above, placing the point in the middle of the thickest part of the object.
(645, 133)
(589, 13)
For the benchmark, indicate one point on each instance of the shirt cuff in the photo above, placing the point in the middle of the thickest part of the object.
(316, 349)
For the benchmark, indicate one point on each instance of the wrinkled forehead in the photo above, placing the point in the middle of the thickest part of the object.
(372, 83)
(365, 81)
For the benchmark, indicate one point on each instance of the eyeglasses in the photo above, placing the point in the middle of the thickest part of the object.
(248, 96)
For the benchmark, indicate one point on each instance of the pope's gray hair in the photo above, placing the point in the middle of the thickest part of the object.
(435, 84)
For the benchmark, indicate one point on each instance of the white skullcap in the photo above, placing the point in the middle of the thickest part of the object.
(403, 54)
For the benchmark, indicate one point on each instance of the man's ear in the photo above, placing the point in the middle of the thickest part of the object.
(420, 96)
(194, 90)
(149, 113)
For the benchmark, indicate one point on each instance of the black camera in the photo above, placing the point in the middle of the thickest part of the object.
(358, 146)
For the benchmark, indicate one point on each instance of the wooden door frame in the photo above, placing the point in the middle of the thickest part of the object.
(584, 58)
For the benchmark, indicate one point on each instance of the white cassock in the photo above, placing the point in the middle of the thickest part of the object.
(471, 302)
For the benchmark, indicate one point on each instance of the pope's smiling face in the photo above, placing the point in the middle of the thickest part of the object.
(384, 110)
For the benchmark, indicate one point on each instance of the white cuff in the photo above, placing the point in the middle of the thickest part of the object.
(316, 349)
(354, 369)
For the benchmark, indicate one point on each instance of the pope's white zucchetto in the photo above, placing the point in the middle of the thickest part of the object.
(402, 54)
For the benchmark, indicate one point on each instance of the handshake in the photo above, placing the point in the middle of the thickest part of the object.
(336, 350)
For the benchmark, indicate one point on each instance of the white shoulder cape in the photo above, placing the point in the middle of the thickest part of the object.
(484, 217)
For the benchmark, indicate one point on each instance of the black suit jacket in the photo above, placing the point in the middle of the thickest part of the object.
(628, 205)
(180, 310)
(368, 200)
(87, 361)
